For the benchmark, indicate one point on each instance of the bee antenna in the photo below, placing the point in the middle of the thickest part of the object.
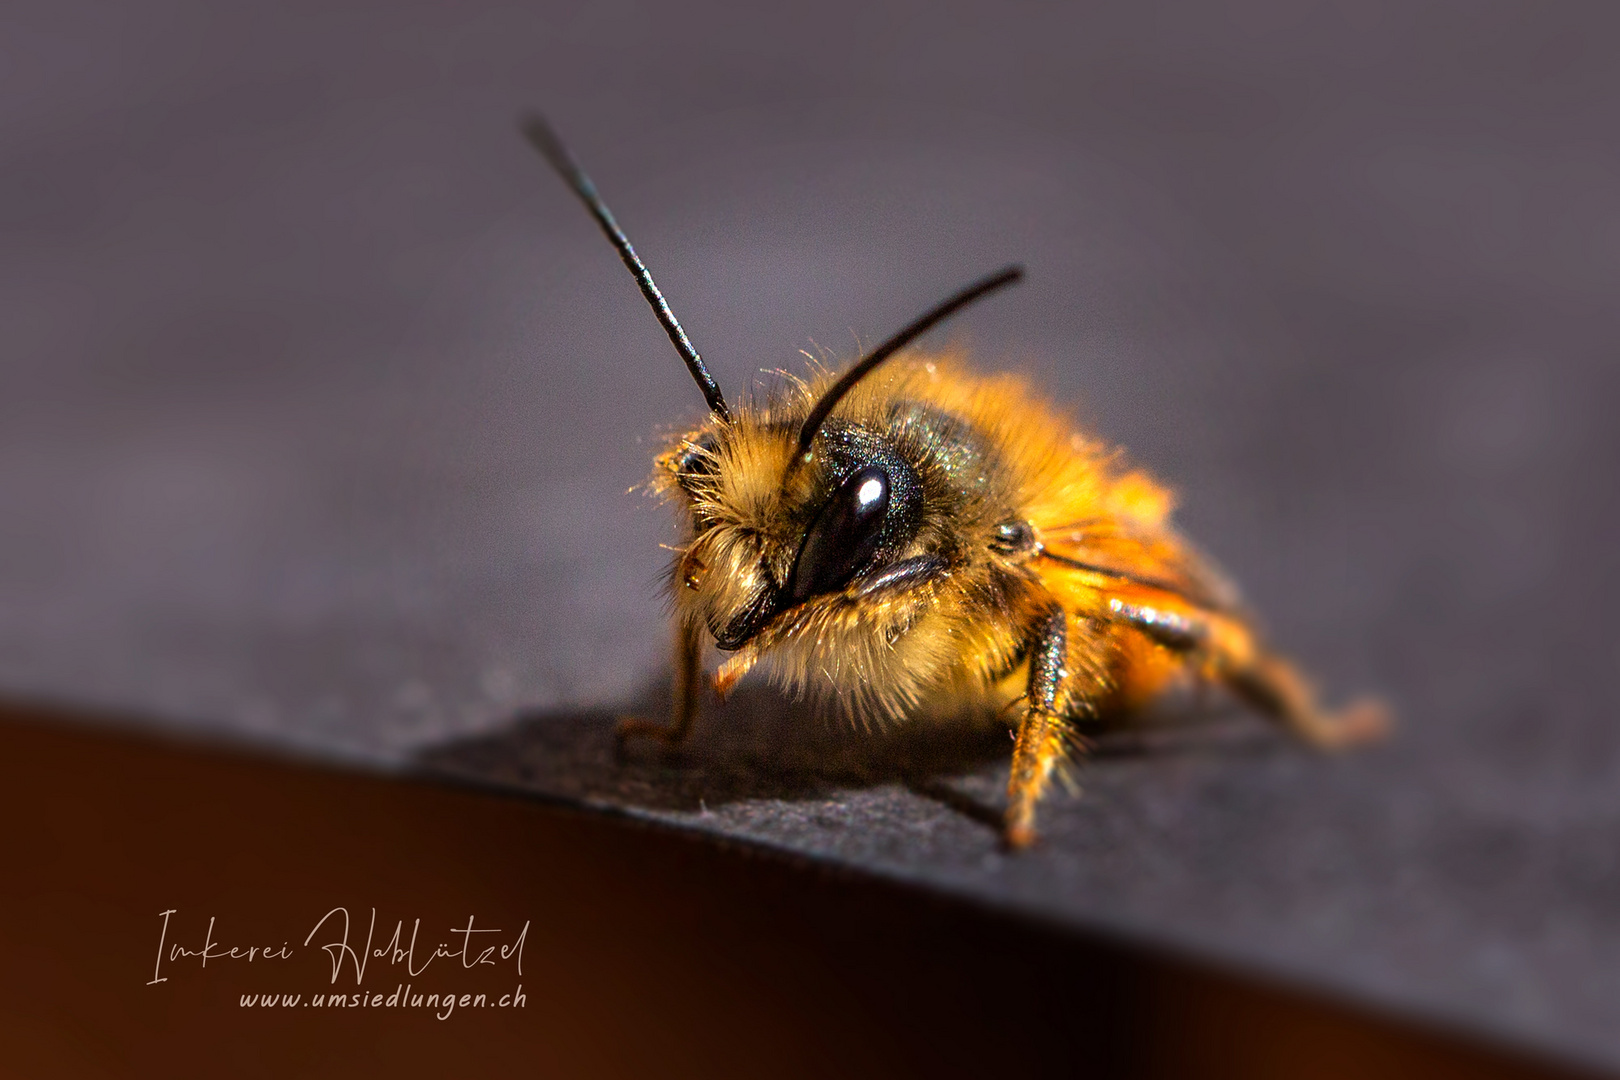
(545, 139)
(863, 368)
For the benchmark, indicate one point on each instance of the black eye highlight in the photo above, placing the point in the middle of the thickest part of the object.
(844, 537)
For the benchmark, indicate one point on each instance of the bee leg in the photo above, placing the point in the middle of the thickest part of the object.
(684, 709)
(1230, 653)
(1043, 732)
(1275, 687)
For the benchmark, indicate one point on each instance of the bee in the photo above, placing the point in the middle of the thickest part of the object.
(911, 539)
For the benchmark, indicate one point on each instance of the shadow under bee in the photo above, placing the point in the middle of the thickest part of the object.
(760, 744)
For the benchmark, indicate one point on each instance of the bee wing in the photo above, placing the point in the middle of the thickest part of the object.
(1161, 559)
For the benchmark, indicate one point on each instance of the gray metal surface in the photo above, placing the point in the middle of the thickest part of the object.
(319, 399)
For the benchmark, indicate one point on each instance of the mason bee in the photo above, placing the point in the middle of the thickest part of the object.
(909, 539)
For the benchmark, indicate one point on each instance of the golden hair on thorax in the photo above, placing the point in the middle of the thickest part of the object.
(910, 539)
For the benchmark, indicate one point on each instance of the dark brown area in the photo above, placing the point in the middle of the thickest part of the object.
(650, 953)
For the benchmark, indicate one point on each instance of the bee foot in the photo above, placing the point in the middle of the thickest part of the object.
(1362, 721)
(1020, 837)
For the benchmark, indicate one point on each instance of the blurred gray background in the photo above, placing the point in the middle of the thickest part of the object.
(320, 398)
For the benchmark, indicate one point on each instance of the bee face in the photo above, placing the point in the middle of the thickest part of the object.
(760, 548)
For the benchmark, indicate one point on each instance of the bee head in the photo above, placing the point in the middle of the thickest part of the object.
(761, 546)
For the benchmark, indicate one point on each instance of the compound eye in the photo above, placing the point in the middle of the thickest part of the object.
(844, 537)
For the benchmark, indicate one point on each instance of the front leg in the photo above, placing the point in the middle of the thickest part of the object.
(684, 706)
(1044, 734)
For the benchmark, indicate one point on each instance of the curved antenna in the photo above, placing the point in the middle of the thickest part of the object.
(540, 133)
(830, 399)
